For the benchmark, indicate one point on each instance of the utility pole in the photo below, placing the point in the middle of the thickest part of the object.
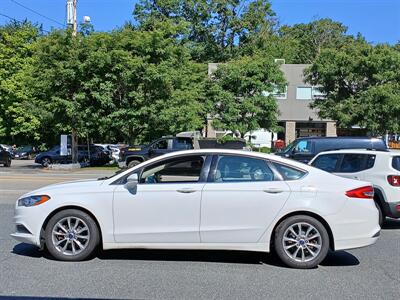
(71, 21)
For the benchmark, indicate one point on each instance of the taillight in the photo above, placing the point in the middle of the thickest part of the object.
(365, 192)
(394, 180)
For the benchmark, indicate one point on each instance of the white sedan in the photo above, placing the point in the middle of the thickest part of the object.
(204, 199)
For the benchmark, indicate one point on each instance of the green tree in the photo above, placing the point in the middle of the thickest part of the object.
(362, 86)
(311, 38)
(212, 29)
(18, 124)
(241, 92)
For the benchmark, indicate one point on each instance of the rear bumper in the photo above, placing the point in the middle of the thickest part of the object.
(356, 225)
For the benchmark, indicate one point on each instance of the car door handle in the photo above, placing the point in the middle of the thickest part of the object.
(186, 190)
(273, 190)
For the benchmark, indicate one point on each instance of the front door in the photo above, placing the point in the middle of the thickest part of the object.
(165, 208)
(242, 199)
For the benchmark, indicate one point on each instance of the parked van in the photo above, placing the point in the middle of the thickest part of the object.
(304, 149)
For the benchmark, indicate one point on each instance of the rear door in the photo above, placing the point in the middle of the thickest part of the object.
(240, 200)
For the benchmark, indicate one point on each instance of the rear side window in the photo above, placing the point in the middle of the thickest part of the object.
(183, 144)
(242, 169)
(326, 162)
(396, 163)
(289, 173)
(352, 163)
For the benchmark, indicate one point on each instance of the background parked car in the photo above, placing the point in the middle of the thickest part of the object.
(304, 149)
(97, 156)
(5, 157)
(25, 152)
(381, 168)
(134, 155)
(9, 149)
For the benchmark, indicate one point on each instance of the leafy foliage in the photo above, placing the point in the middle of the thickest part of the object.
(241, 93)
(362, 86)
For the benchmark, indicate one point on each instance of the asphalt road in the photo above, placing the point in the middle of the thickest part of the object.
(368, 273)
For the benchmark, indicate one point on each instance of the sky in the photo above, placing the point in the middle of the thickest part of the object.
(377, 20)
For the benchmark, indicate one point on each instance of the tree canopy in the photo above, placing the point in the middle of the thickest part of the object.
(149, 77)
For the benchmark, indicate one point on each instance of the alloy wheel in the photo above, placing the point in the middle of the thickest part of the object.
(70, 236)
(302, 242)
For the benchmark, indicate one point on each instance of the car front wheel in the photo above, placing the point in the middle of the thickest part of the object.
(71, 235)
(301, 242)
(46, 161)
(133, 163)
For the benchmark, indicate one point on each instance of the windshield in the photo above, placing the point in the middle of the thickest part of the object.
(288, 147)
(24, 148)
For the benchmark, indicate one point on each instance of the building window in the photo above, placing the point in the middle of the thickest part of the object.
(317, 93)
(278, 93)
(304, 93)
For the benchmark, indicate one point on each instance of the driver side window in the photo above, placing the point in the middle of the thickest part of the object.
(182, 169)
(241, 169)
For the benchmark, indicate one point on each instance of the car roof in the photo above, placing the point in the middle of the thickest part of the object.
(339, 138)
(360, 151)
(273, 157)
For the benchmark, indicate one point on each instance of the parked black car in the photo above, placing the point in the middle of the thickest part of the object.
(97, 156)
(134, 155)
(5, 157)
(25, 152)
(304, 149)
(9, 149)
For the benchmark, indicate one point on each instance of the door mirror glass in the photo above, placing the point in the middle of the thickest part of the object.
(131, 183)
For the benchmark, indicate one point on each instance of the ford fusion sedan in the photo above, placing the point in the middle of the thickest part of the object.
(204, 199)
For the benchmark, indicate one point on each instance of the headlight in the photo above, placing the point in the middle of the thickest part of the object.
(33, 200)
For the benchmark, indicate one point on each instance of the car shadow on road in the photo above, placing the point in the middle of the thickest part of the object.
(334, 259)
(391, 224)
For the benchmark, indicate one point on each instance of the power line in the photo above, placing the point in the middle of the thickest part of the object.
(38, 13)
(18, 21)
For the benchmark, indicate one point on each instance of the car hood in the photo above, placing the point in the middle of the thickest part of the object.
(67, 187)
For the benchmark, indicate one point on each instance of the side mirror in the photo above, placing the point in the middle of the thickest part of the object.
(131, 183)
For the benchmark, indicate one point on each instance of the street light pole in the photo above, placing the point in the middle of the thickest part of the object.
(72, 21)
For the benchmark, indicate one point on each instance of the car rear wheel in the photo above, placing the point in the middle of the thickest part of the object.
(46, 161)
(71, 235)
(133, 163)
(301, 242)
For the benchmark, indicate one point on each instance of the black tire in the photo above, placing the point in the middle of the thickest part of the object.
(7, 164)
(295, 261)
(133, 163)
(381, 216)
(92, 232)
(46, 161)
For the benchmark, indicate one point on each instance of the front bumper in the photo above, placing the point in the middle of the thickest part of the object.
(32, 219)
(121, 164)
